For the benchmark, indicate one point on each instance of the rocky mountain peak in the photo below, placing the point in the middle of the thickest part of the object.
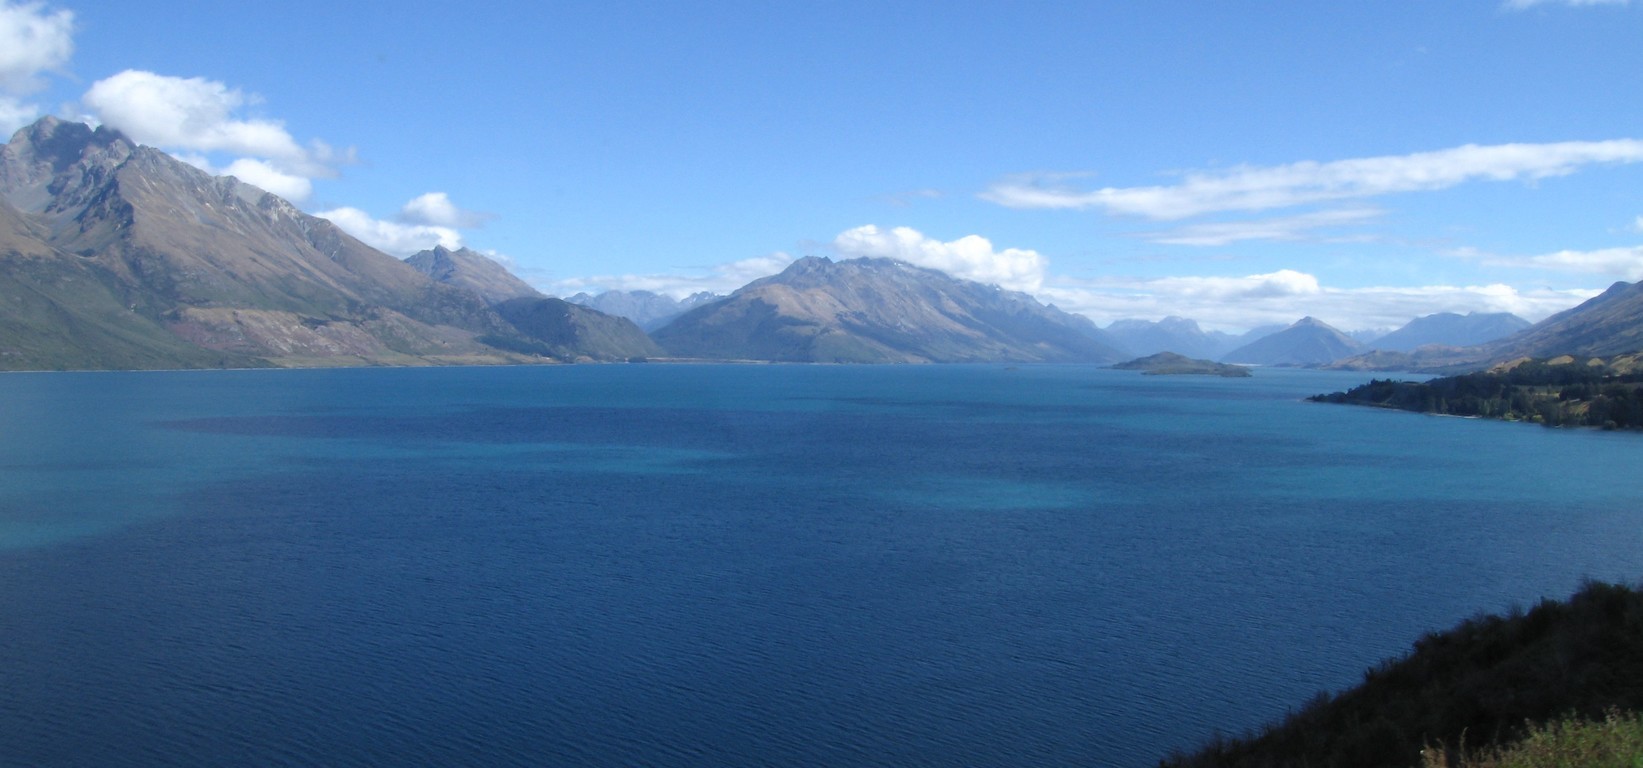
(51, 157)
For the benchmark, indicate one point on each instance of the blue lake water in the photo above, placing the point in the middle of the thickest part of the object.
(743, 565)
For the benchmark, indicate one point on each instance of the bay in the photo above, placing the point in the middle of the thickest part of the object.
(742, 565)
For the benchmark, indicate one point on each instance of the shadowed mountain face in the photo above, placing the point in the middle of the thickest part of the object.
(1308, 342)
(119, 256)
(558, 328)
(882, 311)
(1452, 330)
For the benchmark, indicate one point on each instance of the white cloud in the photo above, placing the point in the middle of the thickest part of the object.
(1285, 283)
(188, 113)
(1518, 5)
(389, 236)
(1287, 228)
(263, 174)
(1240, 303)
(436, 209)
(33, 40)
(1625, 263)
(971, 257)
(200, 117)
(426, 221)
(1253, 188)
(720, 279)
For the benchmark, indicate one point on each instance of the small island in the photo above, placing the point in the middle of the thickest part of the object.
(1171, 364)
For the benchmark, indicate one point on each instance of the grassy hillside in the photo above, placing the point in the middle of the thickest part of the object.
(1481, 684)
(1616, 741)
(69, 316)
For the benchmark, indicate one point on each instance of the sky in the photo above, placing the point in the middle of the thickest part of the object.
(1238, 163)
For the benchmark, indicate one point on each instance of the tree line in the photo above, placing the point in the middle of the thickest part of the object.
(1538, 391)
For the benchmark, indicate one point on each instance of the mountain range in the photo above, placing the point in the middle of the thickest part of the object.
(1606, 325)
(114, 255)
(1178, 335)
(1451, 330)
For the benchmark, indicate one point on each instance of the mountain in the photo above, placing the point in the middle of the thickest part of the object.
(1451, 330)
(466, 268)
(1606, 325)
(1309, 341)
(560, 329)
(881, 311)
(649, 310)
(1172, 334)
(114, 255)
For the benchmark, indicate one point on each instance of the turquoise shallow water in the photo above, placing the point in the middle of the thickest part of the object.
(711, 565)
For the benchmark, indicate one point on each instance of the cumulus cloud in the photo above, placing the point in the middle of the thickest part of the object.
(391, 237)
(191, 113)
(33, 40)
(435, 209)
(971, 257)
(1288, 228)
(1285, 283)
(200, 116)
(1255, 188)
(1241, 303)
(263, 174)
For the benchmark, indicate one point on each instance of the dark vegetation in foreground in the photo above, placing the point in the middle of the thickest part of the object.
(1475, 689)
(1558, 392)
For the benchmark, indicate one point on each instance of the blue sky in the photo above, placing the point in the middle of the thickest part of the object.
(1238, 163)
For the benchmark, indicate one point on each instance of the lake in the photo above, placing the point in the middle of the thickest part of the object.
(743, 565)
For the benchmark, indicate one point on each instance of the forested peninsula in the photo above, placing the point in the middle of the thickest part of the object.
(1556, 392)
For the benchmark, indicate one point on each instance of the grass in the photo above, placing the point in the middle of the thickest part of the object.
(1616, 741)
